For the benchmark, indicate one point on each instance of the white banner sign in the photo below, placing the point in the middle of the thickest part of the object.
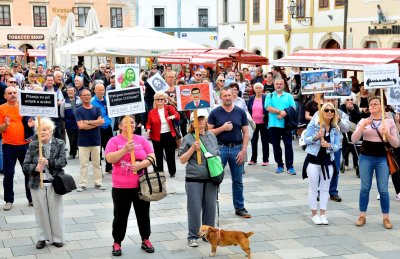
(125, 102)
(34, 103)
(381, 76)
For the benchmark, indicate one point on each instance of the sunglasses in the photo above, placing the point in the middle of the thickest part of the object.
(12, 82)
(329, 110)
(349, 99)
(197, 74)
(161, 99)
(221, 80)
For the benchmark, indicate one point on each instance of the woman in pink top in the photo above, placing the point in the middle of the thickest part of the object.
(373, 158)
(125, 184)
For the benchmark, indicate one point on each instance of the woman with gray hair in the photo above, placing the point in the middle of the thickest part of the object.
(46, 203)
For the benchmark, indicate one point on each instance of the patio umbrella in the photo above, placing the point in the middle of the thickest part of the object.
(68, 37)
(92, 26)
(54, 42)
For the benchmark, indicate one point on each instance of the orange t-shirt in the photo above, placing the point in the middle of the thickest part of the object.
(14, 134)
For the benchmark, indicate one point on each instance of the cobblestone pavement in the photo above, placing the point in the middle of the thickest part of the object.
(280, 219)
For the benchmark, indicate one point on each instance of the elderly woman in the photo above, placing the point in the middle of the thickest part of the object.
(201, 192)
(322, 142)
(46, 203)
(125, 183)
(160, 128)
(373, 158)
(260, 118)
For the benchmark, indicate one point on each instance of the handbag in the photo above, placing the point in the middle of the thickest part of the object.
(152, 185)
(178, 134)
(390, 156)
(63, 183)
(214, 166)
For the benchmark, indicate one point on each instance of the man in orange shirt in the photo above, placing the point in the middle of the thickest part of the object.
(14, 144)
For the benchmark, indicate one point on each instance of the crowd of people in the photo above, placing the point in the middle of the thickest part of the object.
(249, 105)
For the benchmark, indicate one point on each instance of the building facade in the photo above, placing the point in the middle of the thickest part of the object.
(194, 20)
(373, 24)
(24, 24)
(273, 32)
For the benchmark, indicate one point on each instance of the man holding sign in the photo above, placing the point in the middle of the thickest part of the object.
(14, 145)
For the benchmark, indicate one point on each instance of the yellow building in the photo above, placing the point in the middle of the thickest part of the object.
(373, 24)
(25, 24)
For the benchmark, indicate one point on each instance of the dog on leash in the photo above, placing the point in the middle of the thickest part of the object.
(220, 237)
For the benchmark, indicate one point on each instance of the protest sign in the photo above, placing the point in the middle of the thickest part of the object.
(33, 103)
(127, 101)
(157, 83)
(342, 88)
(393, 94)
(192, 97)
(126, 75)
(381, 76)
(317, 81)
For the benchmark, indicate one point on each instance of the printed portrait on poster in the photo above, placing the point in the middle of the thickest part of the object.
(192, 97)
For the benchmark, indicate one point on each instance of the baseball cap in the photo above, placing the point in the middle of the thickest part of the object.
(200, 113)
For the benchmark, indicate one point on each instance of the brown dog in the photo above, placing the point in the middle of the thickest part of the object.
(220, 237)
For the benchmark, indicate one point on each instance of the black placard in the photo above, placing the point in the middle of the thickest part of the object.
(37, 99)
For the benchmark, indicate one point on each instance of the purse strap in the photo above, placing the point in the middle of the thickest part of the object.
(202, 147)
(384, 143)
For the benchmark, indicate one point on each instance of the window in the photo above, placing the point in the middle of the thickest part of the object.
(159, 17)
(371, 45)
(39, 16)
(301, 8)
(116, 17)
(5, 15)
(278, 10)
(339, 2)
(242, 10)
(225, 11)
(256, 11)
(203, 17)
(323, 3)
(81, 15)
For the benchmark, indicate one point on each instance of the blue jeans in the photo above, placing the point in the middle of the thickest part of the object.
(276, 134)
(11, 154)
(369, 164)
(228, 155)
(335, 177)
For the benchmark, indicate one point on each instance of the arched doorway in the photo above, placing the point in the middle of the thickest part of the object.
(331, 44)
(26, 59)
(396, 45)
(226, 44)
(278, 54)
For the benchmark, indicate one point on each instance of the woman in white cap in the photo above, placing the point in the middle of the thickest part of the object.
(201, 192)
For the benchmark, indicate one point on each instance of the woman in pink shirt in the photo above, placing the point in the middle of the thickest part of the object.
(125, 183)
(373, 158)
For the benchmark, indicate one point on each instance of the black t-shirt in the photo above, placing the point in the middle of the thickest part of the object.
(312, 107)
(237, 116)
(88, 138)
(270, 88)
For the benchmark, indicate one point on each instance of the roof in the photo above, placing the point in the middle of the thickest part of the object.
(37, 52)
(349, 59)
(180, 56)
(11, 52)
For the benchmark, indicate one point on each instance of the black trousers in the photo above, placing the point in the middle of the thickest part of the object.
(106, 134)
(263, 131)
(347, 149)
(167, 143)
(122, 200)
(73, 141)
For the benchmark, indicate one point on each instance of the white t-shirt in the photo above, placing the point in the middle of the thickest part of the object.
(164, 125)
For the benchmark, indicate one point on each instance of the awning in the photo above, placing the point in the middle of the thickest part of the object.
(180, 56)
(11, 52)
(37, 52)
(349, 59)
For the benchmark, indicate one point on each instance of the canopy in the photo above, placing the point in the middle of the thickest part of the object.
(349, 59)
(180, 56)
(37, 52)
(11, 52)
(136, 41)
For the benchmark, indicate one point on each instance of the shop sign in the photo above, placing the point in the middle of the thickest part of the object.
(25, 36)
(395, 29)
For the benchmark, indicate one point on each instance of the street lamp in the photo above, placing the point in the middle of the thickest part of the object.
(292, 8)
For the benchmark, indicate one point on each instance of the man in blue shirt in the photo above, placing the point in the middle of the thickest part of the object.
(229, 124)
(106, 133)
(276, 103)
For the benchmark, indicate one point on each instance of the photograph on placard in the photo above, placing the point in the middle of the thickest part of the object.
(127, 75)
(317, 81)
(342, 88)
(393, 94)
(381, 76)
(158, 83)
(127, 101)
(192, 97)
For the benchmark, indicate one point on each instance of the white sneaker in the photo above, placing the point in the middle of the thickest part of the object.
(81, 188)
(378, 197)
(193, 243)
(316, 220)
(100, 187)
(398, 197)
(324, 220)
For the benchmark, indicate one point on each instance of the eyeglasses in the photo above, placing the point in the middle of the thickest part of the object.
(329, 110)
(237, 75)
(160, 99)
(374, 104)
(12, 82)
